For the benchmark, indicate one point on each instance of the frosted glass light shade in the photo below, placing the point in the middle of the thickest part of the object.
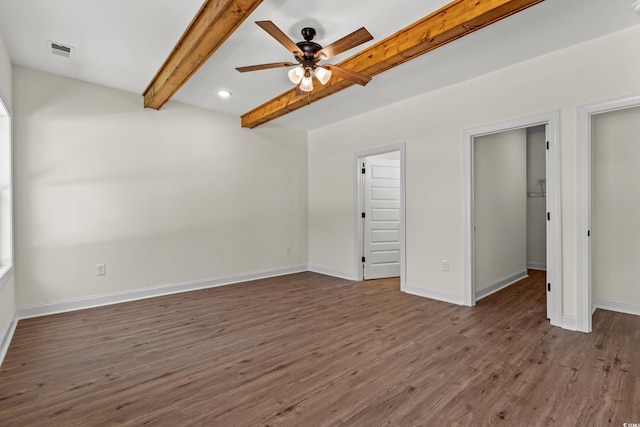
(296, 75)
(306, 85)
(323, 75)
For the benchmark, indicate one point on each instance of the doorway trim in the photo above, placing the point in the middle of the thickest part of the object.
(358, 156)
(554, 238)
(584, 292)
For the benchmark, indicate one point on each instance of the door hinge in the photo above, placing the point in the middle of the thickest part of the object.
(549, 287)
(548, 216)
(362, 259)
(363, 169)
(363, 215)
(547, 145)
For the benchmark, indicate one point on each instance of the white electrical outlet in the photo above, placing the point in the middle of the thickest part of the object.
(101, 269)
(445, 265)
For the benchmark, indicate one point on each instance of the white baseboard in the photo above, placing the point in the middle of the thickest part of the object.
(499, 284)
(435, 294)
(330, 272)
(569, 322)
(45, 309)
(537, 265)
(5, 338)
(617, 305)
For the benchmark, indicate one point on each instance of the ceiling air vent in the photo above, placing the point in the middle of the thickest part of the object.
(60, 50)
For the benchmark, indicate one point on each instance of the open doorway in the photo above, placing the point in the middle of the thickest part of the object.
(608, 156)
(499, 201)
(510, 209)
(381, 216)
(380, 228)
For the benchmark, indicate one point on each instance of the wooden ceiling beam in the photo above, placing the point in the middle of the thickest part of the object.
(213, 24)
(449, 23)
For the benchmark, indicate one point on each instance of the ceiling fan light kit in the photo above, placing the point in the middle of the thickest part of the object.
(309, 53)
(296, 75)
(323, 75)
(303, 77)
(306, 85)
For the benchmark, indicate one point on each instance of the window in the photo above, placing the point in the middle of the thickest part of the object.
(6, 235)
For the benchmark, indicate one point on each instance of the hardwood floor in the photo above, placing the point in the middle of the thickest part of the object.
(310, 350)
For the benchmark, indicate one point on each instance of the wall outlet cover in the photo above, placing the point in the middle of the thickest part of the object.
(101, 269)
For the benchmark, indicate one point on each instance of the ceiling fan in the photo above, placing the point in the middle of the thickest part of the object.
(308, 54)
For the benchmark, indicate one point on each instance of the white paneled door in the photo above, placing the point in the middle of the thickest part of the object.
(381, 217)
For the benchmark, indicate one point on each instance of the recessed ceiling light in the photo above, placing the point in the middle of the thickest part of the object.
(223, 93)
(636, 6)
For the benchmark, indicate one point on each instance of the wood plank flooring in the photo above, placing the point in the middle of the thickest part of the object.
(310, 350)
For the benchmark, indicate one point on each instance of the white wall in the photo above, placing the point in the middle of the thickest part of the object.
(500, 213)
(161, 197)
(7, 285)
(432, 126)
(616, 205)
(536, 204)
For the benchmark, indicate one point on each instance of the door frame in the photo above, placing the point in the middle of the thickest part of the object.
(584, 292)
(358, 156)
(554, 207)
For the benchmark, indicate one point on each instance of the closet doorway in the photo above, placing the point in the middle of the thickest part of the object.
(501, 192)
(510, 207)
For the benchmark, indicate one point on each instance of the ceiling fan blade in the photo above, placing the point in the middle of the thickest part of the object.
(264, 66)
(277, 34)
(343, 73)
(347, 42)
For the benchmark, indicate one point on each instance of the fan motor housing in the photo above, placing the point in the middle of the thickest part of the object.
(308, 47)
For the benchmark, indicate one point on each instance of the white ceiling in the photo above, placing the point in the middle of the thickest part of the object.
(122, 43)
